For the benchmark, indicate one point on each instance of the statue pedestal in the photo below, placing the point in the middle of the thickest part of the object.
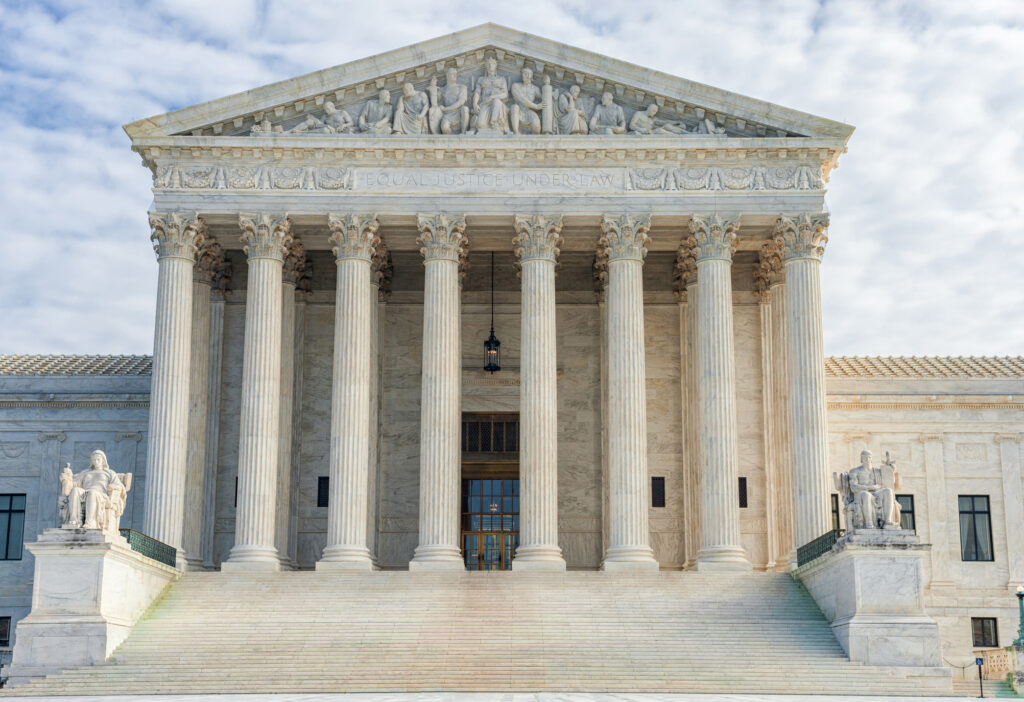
(88, 589)
(1018, 674)
(871, 588)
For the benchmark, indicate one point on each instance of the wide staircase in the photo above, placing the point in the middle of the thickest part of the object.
(994, 689)
(580, 631)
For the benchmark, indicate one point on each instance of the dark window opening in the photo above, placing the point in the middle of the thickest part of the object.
(12, 526)
(907, 520)
(657, 492)
(835, 511)
(985, 631)
(743, 492)
(975, 528)
(5, 632)
(323, 490)
(490, 433)
(236, 491)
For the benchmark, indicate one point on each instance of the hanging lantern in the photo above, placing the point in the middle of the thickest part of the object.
(492, 347)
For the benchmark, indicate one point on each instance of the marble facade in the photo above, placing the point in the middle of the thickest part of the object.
(343, 314)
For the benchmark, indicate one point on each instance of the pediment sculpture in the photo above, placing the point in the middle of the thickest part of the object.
(869, 494)
(490, 102)
(94, 498)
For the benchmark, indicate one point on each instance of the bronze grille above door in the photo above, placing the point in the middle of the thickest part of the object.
(490, 437)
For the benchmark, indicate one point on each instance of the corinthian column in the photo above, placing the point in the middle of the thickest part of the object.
(266, 240)
(442, 239)
(625, 241)
(714, 240)
(536, 245)
(685, 274)
(353, 238)
(176, 239)
(802, 241)
(293, 266)
(210, 258)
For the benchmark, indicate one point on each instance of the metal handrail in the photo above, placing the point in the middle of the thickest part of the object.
(819, 547)
(150, 547)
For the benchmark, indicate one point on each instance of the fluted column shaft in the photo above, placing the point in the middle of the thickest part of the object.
(266, 239)
(802, 239)
(294, 262)
(715, 242)
(536, 245)
(212, 430)
(625, 239)
(692, 429)
(780, 425)
(198, 392)
(353, 237)
(176, 239)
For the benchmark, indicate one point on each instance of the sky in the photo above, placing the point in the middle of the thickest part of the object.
(926, 251)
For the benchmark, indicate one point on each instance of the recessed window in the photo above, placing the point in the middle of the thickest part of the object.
(834, 502)
(323, 490)
(490, 434)
(985, 631)
(657, 492)
(743, 492)
(12, 526)
(975, 528)
(236, 491)
(907, 520)
(5, 632)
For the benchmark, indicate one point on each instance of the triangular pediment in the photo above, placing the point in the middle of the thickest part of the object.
(345, 101)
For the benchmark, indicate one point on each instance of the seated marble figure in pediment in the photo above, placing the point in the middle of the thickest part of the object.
(495, 99)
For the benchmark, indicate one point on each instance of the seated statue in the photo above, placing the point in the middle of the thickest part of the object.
(95, 498)
(411, 111)
(376, 116)
(869, 494)
(608, 117)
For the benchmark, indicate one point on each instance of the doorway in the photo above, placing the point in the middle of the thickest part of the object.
(490, 490)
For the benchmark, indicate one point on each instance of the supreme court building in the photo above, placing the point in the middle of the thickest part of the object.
(338, 254)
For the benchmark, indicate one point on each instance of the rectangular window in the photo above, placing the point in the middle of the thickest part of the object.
(907, 520)
(975, 528)
(657, 492)
(323, 490)
(743, 492)
(12, 526)
(236, 491)
(5, 632)
(834, 501)
(985, 631)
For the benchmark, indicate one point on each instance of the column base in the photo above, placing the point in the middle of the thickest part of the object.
(630, 558)
(248, 558)
(346, 558)
(544, 558)
(436, 558)
(722, 558)
(193, 562)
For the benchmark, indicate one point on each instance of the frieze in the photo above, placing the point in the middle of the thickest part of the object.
(497, 180)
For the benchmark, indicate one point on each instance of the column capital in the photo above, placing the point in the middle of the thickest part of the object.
(713, 236)
(538, 237)
(208, 261)
(770, 264)
(381, 269)
(442, 236)
(353, 235)
(625, 237)
(600, 273)
(684, 273)
(801, 235)
(265, 235)
(176, 235)
(294, 262)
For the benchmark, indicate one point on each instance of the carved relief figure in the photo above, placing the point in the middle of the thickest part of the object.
(571, 119)
(265, 128)
(643, 122)
(525, 111)
(335, 121)
(376, 116)
(95, 498)
(489, 98)
(708, 126)
(870, 494)
(449, 111)
(608, 117)
(411, 111)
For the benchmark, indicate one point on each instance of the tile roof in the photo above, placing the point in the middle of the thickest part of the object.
(950, 367)
(75, 365)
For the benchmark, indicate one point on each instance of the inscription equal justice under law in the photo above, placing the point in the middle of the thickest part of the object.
(483, 180)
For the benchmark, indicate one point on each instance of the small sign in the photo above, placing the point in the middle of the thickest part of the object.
(979, 661)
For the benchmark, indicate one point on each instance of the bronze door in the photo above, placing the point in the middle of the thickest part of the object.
(490, 522)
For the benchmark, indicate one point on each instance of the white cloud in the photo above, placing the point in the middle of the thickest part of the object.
(927, 243)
